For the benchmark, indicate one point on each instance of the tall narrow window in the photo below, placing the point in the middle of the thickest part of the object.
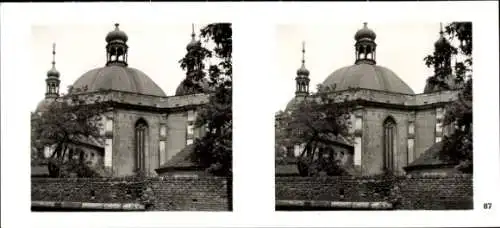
(191, 117)
(140, 144)
(389, 142)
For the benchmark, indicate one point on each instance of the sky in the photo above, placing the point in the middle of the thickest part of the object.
(400, 47)
(153, 49)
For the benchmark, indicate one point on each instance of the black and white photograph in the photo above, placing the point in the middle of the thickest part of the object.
(131, 117)
(345, 114)
(378, 117)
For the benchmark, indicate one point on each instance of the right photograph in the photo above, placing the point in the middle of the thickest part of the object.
(374, 116)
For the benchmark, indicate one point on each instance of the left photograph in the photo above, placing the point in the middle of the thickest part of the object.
(131, 117)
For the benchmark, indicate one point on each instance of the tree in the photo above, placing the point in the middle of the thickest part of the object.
(458, 145)
(67, 120)
(194, 64)
(318, 122)
(280, 136)
(214, 149)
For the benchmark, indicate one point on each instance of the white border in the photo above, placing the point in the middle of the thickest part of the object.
(254, 67)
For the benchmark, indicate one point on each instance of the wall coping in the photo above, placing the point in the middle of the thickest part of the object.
(378, 178)
(336, 204)
(128, 179)
(87, 205)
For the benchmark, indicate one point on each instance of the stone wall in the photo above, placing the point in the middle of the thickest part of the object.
(425, 134)
(373, 140)
(411, 101)
(148, 100)
(176, 133)
(159, 193)
(406, 193)
(124, 141)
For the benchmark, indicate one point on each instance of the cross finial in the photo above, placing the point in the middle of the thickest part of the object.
(441, 28)
(53, 54)
(303, 52)
(365, 24)
(116, 26)
(192, 31)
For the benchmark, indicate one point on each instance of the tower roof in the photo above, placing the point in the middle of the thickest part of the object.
(116, 35)
(193, 43)
(365, 33)
(53, 71)
(441, 42)
(303, 71)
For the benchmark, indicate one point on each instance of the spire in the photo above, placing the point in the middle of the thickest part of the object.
(53, 55)
(192, 32)
(193, 41)
(303, 53)
(441, 42)
(302, 71)
(53, 72)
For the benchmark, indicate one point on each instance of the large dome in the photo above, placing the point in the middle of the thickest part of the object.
(367, 76)
(118, 78)
(291, 104)
(43, 105)
(184, 89)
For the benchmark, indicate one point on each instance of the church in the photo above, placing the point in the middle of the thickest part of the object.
(396, 130)
(144, 130)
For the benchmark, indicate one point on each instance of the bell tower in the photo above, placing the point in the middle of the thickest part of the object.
(302, 79)
(52, 80)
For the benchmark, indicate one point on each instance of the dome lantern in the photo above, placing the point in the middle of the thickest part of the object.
(365, 33)
(52, 80)
(365, 45)
(302, 79)
(116, 35)
(117, 48)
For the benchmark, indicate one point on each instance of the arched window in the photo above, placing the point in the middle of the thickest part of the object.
(141, 131)
(389, 143)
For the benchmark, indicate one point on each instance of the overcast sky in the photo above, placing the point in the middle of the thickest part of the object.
(153, 49)
(400, 47)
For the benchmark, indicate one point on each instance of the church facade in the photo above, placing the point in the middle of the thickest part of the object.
(143, 130)
(392, 125)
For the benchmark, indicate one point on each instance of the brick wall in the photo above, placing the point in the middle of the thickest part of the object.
(406, 193)
(437, 193)
(159, 193)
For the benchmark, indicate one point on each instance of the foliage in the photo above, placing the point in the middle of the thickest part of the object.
(458, 115)
(214, 149)
(318, 122)
(194, 64)
(440, 61)
(68, 119)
